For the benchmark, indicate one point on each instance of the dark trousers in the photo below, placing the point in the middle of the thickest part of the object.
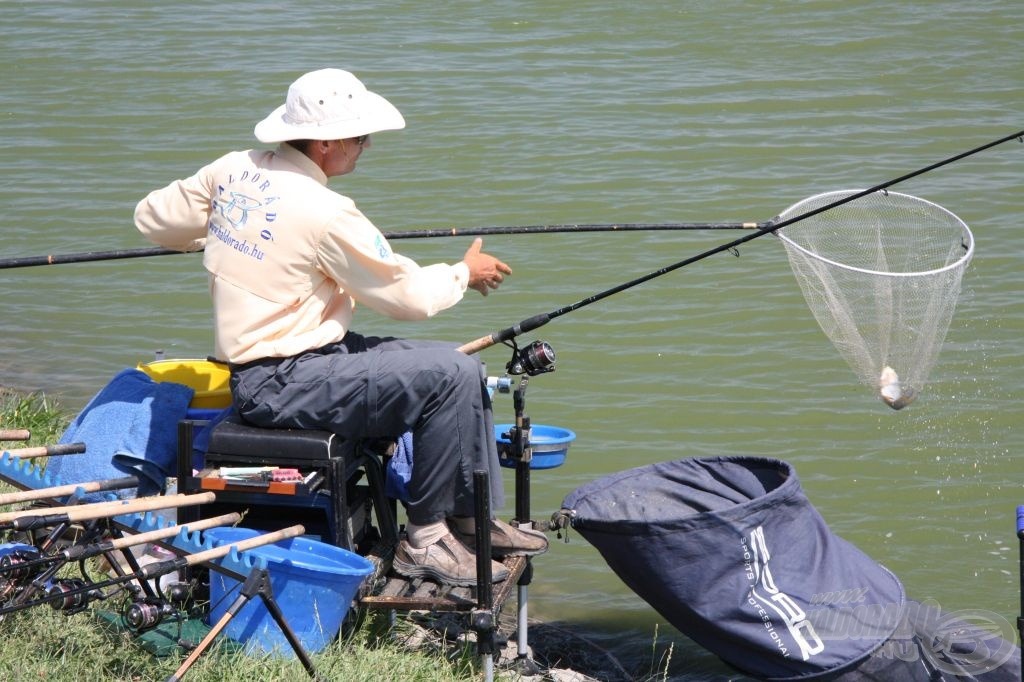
(370, 387)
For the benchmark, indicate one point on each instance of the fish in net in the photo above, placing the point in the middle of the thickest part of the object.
(881, 274)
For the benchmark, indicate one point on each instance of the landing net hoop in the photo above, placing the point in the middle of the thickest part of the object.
(882, 275)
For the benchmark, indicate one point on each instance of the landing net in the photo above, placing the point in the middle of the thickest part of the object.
(881, 275)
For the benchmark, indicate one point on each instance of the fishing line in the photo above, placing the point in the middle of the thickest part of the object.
(117, 254)
(770, 227)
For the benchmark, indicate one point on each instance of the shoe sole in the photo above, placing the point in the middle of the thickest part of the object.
(417, 571)
(503, 553)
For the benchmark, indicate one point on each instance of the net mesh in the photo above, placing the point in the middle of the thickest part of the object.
(881, 275)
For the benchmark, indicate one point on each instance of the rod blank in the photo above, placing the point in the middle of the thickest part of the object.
(766, 228)
(119, 254)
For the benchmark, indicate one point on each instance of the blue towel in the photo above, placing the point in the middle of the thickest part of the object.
(396, 479)
(201, 439)
(129, 427)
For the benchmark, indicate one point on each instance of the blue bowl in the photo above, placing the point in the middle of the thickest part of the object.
(550, 445)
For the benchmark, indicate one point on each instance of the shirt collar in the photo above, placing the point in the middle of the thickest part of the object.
(291, 155)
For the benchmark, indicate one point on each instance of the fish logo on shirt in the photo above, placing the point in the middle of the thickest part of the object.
(237, 207)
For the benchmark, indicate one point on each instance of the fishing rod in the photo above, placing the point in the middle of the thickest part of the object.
(26, 560)
(47, 450)
(68, 489)
(117, 254)
(770, 227)
(40, 568)
(40, 518)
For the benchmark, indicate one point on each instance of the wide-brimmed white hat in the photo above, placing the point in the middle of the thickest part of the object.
(329, 104)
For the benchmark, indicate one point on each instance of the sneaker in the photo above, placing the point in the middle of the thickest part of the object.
(507, 540)
(447, 561)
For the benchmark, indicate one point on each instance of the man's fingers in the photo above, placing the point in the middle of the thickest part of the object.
(474, 248)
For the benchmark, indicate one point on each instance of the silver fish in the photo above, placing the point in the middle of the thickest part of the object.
(892, 391)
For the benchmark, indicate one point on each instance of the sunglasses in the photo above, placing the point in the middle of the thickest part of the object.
(361, 140)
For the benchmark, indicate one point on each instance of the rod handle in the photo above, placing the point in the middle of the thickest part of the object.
(529, 324)
(15, 434)
(478, 345)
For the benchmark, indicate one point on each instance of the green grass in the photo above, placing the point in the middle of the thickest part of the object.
(32, 411)
(43, 644)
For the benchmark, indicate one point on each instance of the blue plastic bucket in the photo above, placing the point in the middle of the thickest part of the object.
(550, 445)
(313, 583)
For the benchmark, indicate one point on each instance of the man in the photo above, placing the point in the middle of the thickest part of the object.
(288, 261)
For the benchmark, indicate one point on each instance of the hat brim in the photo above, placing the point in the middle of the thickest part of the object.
(378, 114)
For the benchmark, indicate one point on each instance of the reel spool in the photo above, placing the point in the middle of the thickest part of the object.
(11, 565)
(146, 614)
(65, 595)
(537, 358)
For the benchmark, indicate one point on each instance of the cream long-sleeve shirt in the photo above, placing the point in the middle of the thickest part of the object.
(287, 257)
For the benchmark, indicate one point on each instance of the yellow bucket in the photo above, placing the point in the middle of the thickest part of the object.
(208, 379)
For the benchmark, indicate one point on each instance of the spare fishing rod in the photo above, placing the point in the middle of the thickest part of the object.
(35, 494)
(47, 450)
(62, 599)
(31, 519)
(24, 560)
(508, 334)
(144, 612)
(118, 254)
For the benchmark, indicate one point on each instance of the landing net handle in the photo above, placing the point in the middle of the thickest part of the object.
(1020, 539)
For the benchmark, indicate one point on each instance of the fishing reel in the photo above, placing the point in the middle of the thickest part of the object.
(146, 614)
(537, 358)
(12, 566)
(71, 596)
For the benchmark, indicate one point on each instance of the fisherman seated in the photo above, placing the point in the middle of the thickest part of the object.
(288, 261)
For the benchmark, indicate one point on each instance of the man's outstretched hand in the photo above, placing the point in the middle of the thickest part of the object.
(485, 271)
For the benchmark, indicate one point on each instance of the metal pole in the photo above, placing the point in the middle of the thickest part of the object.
(1020, 618)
